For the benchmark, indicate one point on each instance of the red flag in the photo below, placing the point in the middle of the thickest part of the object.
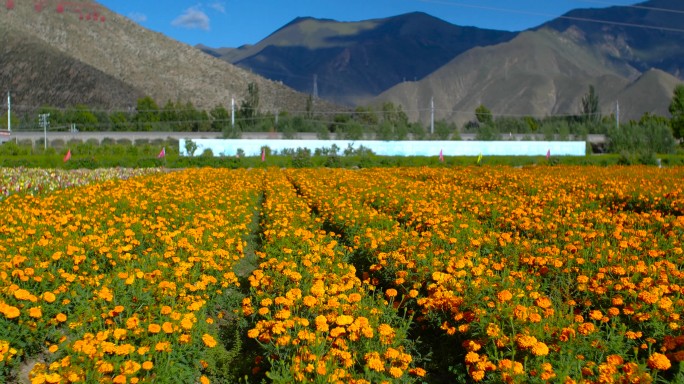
(67, 157)
(548, 154)
(162, 153)
(441, 156)
(263, 154)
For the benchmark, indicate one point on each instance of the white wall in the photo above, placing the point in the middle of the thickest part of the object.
(397, 148)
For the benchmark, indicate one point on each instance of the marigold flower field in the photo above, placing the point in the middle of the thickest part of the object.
(405, 275)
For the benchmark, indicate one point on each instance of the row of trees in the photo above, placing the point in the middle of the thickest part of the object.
(388, 122)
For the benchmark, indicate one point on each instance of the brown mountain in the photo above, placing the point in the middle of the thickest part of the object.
(356, 60)
(539, 73)
(59, 57)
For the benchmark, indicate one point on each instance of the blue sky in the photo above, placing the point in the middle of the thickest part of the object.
(231, 23)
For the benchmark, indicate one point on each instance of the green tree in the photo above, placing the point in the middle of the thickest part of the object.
(591, 112)
(483, 115)
(81, 115)
(119, 121)
(677, 110)
(249, 107)
(169, 116)
(147, 114)
(220, 121)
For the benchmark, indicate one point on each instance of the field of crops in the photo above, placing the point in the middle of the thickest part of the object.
(405, 275)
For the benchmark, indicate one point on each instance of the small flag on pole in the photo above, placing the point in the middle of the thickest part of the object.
(162, 154)
(67, 157)
(548, 154)
(441, 156)
(479, 158)
(263, 154)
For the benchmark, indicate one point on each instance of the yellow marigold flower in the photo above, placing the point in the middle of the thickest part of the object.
(283, 314)
(119, 379)
(154, 328)
(395, 372)
(167, 327)
(253, 333)
(374, 362)
(11, 312)
(344, 320)
(132, 322)
(105, 367)
(309, 301)
(659, 361)
(208, 340)
(162, 346)
(53, 378)
(186, 323)
(525, 341)
(49, 297)
(385, 329)
(540, 349)
(130, 367)
(321, 323)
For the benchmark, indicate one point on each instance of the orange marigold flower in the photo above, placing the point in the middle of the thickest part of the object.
(61, 317)
(504, 296)
(154, 328)
(391, 293)
(543, 302)
(36, 312)
(147, 365)
(540, 349)
(9, 311)
(615, 360)
(472, 357)
(49, 297)
(659, 361)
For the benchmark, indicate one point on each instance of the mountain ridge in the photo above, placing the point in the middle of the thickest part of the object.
(139, 61)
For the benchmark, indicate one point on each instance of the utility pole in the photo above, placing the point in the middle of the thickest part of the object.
(232, 114)
(315, 87)
(432, 115)
(44, 122)
(9, 112)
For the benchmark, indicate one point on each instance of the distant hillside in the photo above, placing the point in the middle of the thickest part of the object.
(57, 58)
(538, 73)
(356, 60)
(38, 74)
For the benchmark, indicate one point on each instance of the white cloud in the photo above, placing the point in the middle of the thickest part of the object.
(192, 18)
(218, 6)
(137, 17)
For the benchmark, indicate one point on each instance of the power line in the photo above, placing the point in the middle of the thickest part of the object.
(552, 16)
(632, 6)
